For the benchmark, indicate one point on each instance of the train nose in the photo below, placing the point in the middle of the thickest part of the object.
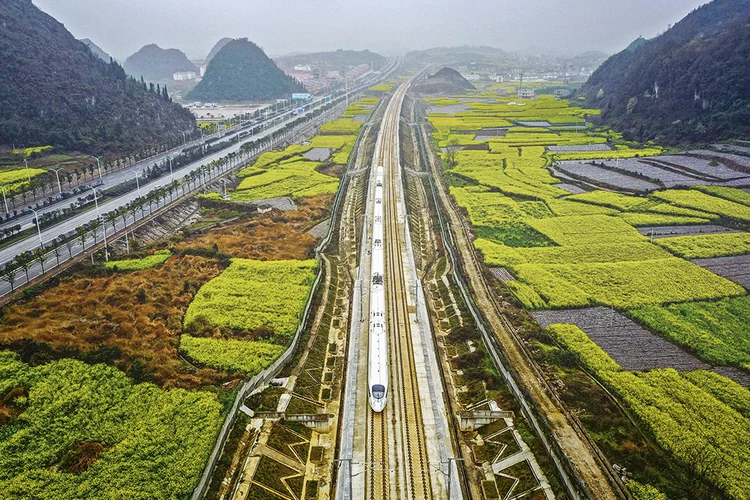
(377, 405)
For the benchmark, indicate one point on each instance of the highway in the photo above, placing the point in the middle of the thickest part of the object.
(69, 225)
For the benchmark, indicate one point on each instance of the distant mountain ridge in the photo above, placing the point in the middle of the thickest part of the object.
(156, 64)
(96, 50)
(216, 48)
(54, 91)
(690, 84)
(340, 59)
(446, 81)
(242, 72)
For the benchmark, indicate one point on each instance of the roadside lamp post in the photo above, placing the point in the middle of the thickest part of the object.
(98, 166)
(25, 162)
(171, 175)
(104, 226)
(224, 183)
(137, 183)
(5, 200)
(57, 174)
(38, 227)
(184, 138)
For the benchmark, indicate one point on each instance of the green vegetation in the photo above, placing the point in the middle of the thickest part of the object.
(242, 72)
(86, 431)
(298, 179)
(26, 152)
(384, 87)
(230, 355)
(252, 295)
(17, 180)
(716, 331)
(620, 152)
(341, 127)
(159, 257)
(707, 245)
(609, 199)
(701, 201)
(731, 194)
(689, 420)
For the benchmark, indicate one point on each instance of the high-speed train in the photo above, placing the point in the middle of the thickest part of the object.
(377, 376)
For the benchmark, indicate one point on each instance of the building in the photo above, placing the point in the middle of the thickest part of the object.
(302, 67)
(203, 70)
(562, 94)
(526, 94)
(181, 76)
(502, 91)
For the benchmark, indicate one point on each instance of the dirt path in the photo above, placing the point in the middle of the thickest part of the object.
(578, 452)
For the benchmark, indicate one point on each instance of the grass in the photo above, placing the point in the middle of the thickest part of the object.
(298, 179)
(159, 257)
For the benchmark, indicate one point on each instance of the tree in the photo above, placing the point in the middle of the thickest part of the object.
(41, 256)
(69, 245)
(94, 225)
(9, 273)
(111, 217)
(24, 261)
(81, 233)
(452, 148)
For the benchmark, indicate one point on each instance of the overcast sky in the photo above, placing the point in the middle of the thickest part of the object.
(121, 27)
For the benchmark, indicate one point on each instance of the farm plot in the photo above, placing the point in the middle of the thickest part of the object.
(572, 188)
(669, 231)
(607, 178)
(687, 417)
(630, 345)
(700, 166)
(735, 268)
(698, 200)
(318, 154)
(742, 161)
(579, 148)
(716, 330)
(668, 176)
(708, 245)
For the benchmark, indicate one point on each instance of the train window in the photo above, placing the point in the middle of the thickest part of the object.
(378, 391)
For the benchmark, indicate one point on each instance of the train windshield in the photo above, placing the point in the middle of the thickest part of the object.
(378, 391)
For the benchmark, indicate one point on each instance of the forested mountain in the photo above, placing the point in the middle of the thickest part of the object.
(339, 59)
(690, 84)
(242, 72)
(216, 48)
(156, 64)
(96, 50)
(54, 91)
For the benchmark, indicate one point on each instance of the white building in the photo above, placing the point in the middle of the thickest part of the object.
(302, 67)
(184, 75)
(526, 94)
(203, 70)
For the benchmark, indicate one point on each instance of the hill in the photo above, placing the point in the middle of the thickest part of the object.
(56, 92)
(156, 64)
(339, 59)
(242, 72)
(445, 81)
(689, 84)
(97, 51)
(216, 48)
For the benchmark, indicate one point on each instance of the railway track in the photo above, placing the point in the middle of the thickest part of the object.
(396, 440)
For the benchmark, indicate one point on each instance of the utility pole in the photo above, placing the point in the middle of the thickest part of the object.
(57, 174)
(104, 226)
(5, 200)
(137, 183)
(25, 162)
(98, 166)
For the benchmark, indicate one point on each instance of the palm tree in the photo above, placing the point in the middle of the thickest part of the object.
(111, 217)
(24, 261)
(69, 245)
(56, 250)
(81, 234)
(94, 225)
(9, 273)
(40, 256)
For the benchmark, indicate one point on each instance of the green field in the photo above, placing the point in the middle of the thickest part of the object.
(159, 257)
(89, 432)
(688, 414)
(252, 295)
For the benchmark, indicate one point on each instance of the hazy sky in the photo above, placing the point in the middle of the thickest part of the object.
(121, 27)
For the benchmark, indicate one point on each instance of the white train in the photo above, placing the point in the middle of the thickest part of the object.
(377, 376)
